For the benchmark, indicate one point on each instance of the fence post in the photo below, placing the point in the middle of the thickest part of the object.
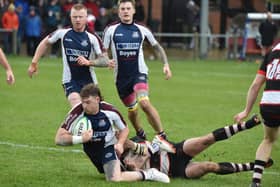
(14, 33)
(235, 45)
(196, 45)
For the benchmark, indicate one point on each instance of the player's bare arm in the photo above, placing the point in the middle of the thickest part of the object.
(101, 61)
(9, 73)
(251, 97)
(162, 55)
(122, 137)
(40, 51)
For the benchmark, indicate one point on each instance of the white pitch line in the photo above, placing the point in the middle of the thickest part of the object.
(74, 151)
(40, 147)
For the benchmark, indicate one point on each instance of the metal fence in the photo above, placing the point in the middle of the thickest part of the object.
(184, 45)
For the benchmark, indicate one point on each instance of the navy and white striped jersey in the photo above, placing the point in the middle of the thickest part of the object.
(76, 44)
(126, 41)
(270, 68)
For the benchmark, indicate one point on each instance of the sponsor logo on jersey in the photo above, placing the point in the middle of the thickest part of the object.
(127, 46)
(119, 34)
(128, 53)
(75, 52)
(135, 35)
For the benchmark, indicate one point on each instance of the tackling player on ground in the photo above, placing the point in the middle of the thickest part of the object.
(175, 159)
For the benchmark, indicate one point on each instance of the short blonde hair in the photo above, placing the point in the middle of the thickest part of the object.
(79, 6)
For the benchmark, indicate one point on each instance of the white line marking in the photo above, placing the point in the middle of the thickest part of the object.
(40, 147)
(74, 151)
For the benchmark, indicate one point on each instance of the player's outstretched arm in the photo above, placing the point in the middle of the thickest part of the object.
(10, 78)
(162, 55)
(40, 51)
(251, 97)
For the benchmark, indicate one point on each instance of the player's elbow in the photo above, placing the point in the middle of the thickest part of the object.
(58, 141)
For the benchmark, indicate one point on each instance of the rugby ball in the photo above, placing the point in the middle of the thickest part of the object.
(81, 125)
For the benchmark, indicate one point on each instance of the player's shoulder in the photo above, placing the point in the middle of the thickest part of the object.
(107, 106)
(93, 35)
(141, 25)
(112, 26)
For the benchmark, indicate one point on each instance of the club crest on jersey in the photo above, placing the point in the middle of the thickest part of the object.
(135, 35)
(84, 43)
(101, 123)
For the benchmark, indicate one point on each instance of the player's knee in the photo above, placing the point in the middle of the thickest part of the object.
(269, 139)
(74, 98)
(144, 103)
(133, 108)
(210, 167)
(114, 179)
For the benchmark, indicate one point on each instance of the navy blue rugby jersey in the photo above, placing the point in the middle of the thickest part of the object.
(126, 42)
(104, 124)
(76, 44)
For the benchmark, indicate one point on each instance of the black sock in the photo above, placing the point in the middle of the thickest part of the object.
(162, 134)
(141, 133)
(143, 175)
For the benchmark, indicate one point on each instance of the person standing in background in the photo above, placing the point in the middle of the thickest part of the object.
(33, 29)
(10, 21)
(268, 32)
(22, 10)
(53, 22)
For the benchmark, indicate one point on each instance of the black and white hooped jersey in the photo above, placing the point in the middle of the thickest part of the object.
(270, 68)
(126, 41)
(76, 44)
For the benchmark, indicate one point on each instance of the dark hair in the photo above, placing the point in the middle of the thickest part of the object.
(91, 90)
(124, 1)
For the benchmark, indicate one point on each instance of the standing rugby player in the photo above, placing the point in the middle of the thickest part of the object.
(79, 48)
(126, 40)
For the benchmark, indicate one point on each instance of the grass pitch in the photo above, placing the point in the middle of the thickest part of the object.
(201, 96)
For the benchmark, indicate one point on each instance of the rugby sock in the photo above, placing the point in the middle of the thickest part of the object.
(143, 175)
(141, 133)
(162, 134)
(229, 167)
(228, 131)
(258, 170)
